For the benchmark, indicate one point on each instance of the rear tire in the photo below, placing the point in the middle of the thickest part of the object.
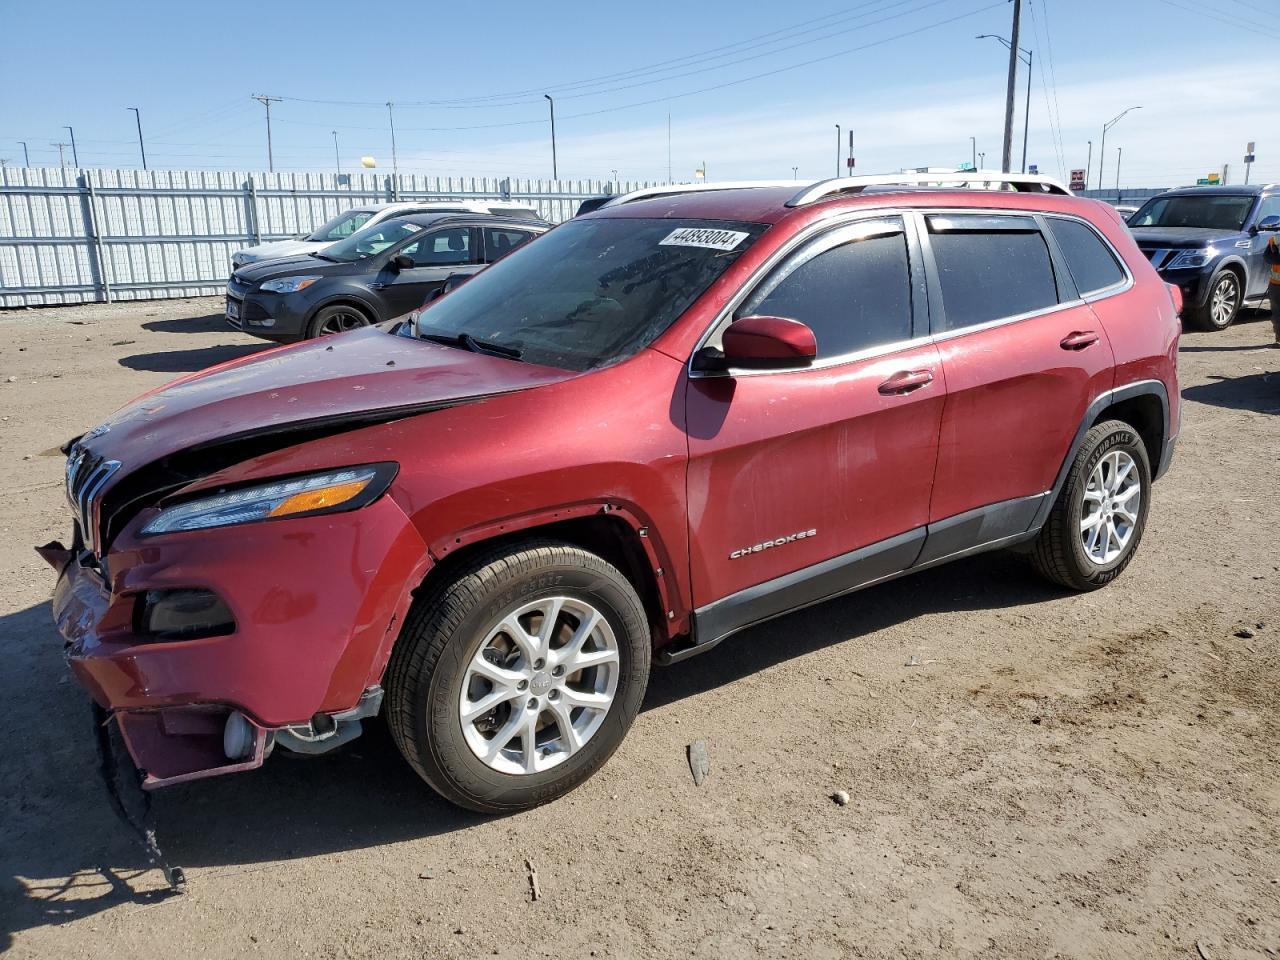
(1097, 522)
(482, 638)
(1226, 296)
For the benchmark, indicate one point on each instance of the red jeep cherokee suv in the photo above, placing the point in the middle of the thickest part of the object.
(647, 430)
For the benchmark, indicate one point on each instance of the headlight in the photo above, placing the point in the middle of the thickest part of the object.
(1188, 259)
(288, 284)
(334, 491)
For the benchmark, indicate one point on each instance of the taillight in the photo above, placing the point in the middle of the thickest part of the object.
(1175, 292)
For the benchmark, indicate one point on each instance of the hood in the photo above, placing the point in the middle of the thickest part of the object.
(277, 249)
(1181, 237)
(255, 273)
(199, 424)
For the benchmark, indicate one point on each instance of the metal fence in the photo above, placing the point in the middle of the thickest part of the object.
(80, 236)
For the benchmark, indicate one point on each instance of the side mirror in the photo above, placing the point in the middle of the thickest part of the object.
(765, 343)
(401, 261)
(1268, 225)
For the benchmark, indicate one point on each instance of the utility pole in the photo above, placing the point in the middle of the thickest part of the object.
(850, 165)
(337, 163)
(668, 146)
(1102, 152)
(62, 159)
(395, 160)
(26, 157)
(75, 157)
(1088, 166)
(267, 101)
(138, 116)
(555, 172)
(1013, 79)
(839, 143)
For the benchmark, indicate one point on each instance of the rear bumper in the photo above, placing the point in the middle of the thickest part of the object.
(315, 601)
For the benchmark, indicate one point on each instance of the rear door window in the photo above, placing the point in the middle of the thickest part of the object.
(1092, 264)
(499, 241)
(852, 287)
(442, 248)
(990, 268)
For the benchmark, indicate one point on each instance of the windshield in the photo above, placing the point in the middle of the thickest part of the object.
(1209, 212)
(590, 292)
(371, 240)
(341, 226)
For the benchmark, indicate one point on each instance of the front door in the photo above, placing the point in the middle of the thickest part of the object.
(817, 474)
(436, 255)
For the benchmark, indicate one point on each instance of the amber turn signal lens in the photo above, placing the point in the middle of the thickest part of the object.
(319, 499)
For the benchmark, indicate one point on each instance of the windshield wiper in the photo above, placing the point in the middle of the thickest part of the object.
(467, 342)
(321, 256)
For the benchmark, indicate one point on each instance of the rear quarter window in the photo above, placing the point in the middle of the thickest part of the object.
(1092, 264)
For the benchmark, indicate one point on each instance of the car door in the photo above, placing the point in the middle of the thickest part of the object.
(435, 254)
(805, 482)
(1023, 355)
(1259, 269)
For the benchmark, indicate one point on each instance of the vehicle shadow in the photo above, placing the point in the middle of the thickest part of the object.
(1259, 392)
(63, 855)
(209, 323)
(189, 361)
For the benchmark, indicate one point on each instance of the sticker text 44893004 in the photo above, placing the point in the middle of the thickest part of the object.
(708, 237)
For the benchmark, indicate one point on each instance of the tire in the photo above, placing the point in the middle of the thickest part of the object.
(1068, 553)
(337, 318)
(1226, 296)
(434, 665)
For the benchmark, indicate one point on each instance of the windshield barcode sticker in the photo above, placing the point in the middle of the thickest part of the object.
(703, 237)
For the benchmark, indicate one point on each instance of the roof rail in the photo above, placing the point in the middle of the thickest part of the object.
(673, 189)
(974, 179)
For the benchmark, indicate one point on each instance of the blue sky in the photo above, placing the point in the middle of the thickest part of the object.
(752, 89)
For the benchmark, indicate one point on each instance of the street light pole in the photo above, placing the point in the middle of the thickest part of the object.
(141, 147)
(795, 173)
(555, 172)
(1088, 166)
(337, 162)
(1102, 153)
(26, 157)
(973, 143)
(1119, 157)
(75, 157)
(839, 144)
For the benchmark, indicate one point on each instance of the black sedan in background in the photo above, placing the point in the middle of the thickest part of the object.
(381, 272)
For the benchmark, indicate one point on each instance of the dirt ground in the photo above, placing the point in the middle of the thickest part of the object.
(1032, 774)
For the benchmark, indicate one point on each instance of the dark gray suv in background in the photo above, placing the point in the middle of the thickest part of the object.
(380, 272)
(1209, 242)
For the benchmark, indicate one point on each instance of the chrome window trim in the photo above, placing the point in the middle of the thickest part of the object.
(871, 353)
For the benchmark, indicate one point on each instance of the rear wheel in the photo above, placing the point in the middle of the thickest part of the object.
(338, 318)
(517, 679)
(1097, 522)
(1221, 308)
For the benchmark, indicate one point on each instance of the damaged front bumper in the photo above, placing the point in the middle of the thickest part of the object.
(314, 603)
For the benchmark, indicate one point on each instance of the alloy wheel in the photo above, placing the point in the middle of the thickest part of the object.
(341, 322)
(539, 686)
(1225, 300)
(1110, 511)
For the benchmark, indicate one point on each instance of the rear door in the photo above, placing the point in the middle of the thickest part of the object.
(789, 469)
(1024, 355)
(499, 241)
(435, 254)
(1259, 269)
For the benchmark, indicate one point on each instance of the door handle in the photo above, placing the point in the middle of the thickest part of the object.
(904, 381)
(378, 286)
(1079, 339)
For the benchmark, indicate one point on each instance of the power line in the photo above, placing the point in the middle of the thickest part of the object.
(690, 93)
(1230, 19)
(1050, 92)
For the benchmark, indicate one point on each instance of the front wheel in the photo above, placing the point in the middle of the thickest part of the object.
(1225, 299)
(1097, 522)
(338, 318)
(516, 679)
